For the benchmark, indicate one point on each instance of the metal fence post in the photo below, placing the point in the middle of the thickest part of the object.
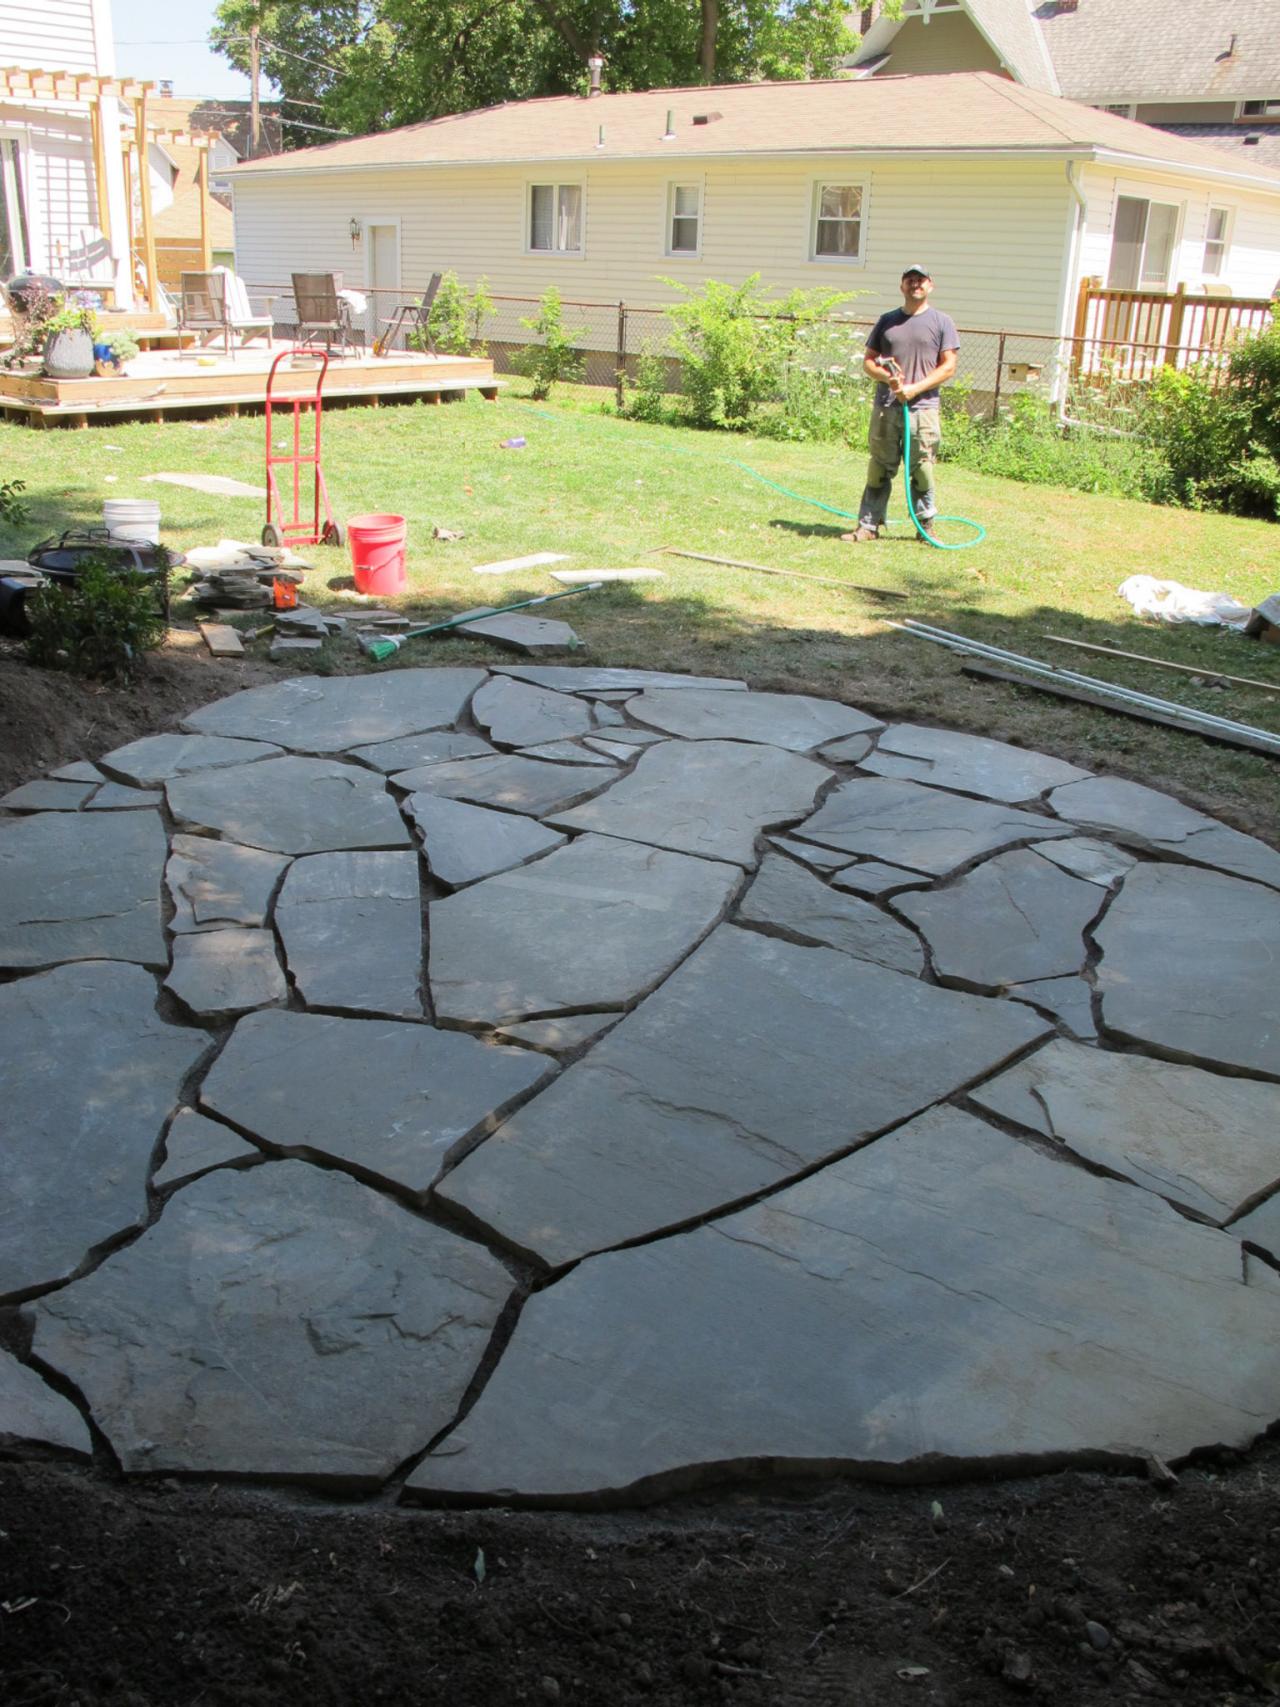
(621, 369)
(995, 401)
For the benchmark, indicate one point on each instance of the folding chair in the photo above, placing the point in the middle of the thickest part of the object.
(322, 309)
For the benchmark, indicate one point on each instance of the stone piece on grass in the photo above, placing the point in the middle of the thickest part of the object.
(818, 859)
(1084, 856)
(570, 753)
(579, 577)
(47, 794)
(217, 485)
(1189, 966)
(287, 646)
(535, 636)
(392, 1099)
(1207, 1142)
(32, 1413)
(436, 747)
(78, 771)
(1013, 918)
(796, 722)
(285, 1322)
(507, 780)
(595, 924)
(872, 877)
(583, 679)
(1261, 1226)
(90, 1073)
(291, 805)
(465, 843)
(156, 759)
(703, 797)
(879, 1314)
(226, 972)
(214, 884)
(925, 829)
(1145, 819)
(327, 714)
(971, 763)
(851, 751)
(801, 905)
(74, 887)
(121, 797)
(560, 1035)
(351, 926)
(520, 714)
(754, 1060)
(194, 1144)
(1069, 1000)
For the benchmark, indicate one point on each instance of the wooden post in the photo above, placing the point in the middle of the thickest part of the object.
(126, 154)
(100, 168)
(144, 196)
(1083, 298)
(1173, 339)
(620, 372)
(995, 401)
(202, 178)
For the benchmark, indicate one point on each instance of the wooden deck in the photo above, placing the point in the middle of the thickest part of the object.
(170, 382)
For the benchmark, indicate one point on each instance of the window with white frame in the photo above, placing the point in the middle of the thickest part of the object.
(15, 249)
(1260, 109)
(1216, 232)
(684, 219)
(1142, 244)
(555, 218)
(837, 222)
(1121, 109)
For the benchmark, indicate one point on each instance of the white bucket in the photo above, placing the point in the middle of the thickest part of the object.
(132, 518)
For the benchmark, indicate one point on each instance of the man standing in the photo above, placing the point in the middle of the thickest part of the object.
(911, 352)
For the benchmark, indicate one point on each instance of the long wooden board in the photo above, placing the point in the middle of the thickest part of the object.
(1166, 664)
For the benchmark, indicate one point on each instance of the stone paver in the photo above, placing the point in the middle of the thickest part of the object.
(48, 794)
(1069, 1000)
(535, 636)
(194, 1143)
(465, 843)
(1146, 819)
(571, 753)
(155, 759)
(31, 1412)
(507, 780)
(436, 747)
(89, 1075)
(214, 1342)
(219, 973)
(593, 925)
(291, 805)
(312, 714)
(1083, 856)
(872, 877)
(945, 1296)
(351, 927)
(213, 884)
(559, 1036)
(851, 751)
(802, 906)
(795, 722)
(521, 714)
(586, 680)
(756, 1059)
(971, 763)
(1261, 1226)
(123, 797)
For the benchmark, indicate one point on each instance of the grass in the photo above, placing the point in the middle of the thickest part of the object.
(607, 491)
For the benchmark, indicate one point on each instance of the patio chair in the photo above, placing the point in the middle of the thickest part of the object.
(217, 304)
(410, 318)
(323, 308)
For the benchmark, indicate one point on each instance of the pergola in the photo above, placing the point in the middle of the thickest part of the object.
(86, 88)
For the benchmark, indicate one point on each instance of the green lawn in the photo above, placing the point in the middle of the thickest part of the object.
(608, 491)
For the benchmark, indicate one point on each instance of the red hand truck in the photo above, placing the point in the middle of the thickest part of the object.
(301, 530)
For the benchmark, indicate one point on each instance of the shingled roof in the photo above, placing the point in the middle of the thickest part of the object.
(1160, 50)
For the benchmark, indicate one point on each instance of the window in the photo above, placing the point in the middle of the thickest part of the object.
(837, 223)
(1142, 244)
(555, 218)
(15, 250)
(1260, 109)
(684, 219)
(1215, 242)
(1121, 109)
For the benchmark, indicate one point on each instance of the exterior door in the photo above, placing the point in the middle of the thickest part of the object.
(382, 265)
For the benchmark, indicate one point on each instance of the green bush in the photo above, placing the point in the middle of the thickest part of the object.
(555, 357)
(456, 318)
(645, 395)
(12, 507)
(824, 391)
(1027, 442)
(98, 627)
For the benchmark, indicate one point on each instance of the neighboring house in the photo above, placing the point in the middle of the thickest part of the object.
(1011, 196)
(175, 189)
(1208, 70)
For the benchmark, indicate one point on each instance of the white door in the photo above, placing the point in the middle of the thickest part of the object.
(382, 244)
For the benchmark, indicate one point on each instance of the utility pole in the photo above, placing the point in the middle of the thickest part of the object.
(255, 117)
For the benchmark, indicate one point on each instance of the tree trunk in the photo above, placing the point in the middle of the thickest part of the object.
(707, 41)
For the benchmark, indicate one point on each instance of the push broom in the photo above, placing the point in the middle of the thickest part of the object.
(380, 647)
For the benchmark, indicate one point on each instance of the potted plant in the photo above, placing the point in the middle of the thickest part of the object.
(69, 337)
(112, 350)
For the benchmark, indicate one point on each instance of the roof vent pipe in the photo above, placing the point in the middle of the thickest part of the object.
(595, 65)
(670, 134)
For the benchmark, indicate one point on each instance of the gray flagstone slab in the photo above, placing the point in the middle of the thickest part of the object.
(923, 828)
(286, 1321)
(628, 738)
(535, 636)
(75, 887)
(584, 679)
(194, 1143)
(217, 973)
(606, 716)
(465, 843)
(818, 859)
(784, 895)
(291, 805)
(156, 758)
(796, 722)
(1189, 965)
(944, 1297)
(121, 797)
(80, 771)
(1084, 856)
(559, 1035)
(30, 1411)
(1261, 1226)
(1145, 819)
(621, 751)
(214, 884)
(89, 1076)
(707, 797)
(593, 925)
(872, 877)
(351, 927)
(851, 751)
(1013, 918)
(507, 780)
(48, 794)
(389, 1097)
(521, 714)
(327, 714)
(1070, 1000)
(1207, 1142)
(436, 747)
(971, 763)
(755, 1060)
(570, 753)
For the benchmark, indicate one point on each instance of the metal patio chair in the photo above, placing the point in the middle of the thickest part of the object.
(322, 309)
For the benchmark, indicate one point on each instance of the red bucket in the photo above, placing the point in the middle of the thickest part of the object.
(377, 553)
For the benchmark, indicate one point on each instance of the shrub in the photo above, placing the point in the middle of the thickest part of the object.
(98, 627)
(456, 318)
(824, 393)
(555, 357)
(646, 394)
(12, 508)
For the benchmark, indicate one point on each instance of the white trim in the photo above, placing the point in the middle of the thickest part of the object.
(1228, 233)
(694, 181)
(1143, 194)
(558, 181)
(830, 181)
(367, 221)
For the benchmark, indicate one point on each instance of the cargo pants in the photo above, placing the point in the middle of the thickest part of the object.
(884, 442)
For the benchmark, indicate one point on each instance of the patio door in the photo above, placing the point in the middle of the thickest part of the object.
(14, 251)
(382, 274)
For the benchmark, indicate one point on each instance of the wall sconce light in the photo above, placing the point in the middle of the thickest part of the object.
(357, 232)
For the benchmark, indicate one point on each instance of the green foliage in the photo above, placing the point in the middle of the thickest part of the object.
(825, 395)
(456, 318)
(645, 394)
(555, 357)
(72, 317)
(12, 508)
(98, 627)
(1028, 443)
(734, 342)
(122, 344)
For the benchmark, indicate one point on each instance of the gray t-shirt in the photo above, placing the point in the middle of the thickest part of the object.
(916, 342)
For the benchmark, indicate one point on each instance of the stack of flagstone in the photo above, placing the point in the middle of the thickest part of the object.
(236, 575)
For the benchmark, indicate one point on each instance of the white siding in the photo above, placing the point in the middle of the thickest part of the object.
(48, 35)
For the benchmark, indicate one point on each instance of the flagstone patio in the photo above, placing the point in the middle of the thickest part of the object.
(563, 1085)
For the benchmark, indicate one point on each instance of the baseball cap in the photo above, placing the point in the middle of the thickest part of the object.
(923, 271)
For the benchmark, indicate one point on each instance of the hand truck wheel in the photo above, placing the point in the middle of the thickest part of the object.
(271, 535)
(335, 533)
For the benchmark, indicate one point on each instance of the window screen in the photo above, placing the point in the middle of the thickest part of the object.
(839, 223)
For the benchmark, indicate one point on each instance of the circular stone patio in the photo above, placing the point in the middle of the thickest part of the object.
(663, 1078)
